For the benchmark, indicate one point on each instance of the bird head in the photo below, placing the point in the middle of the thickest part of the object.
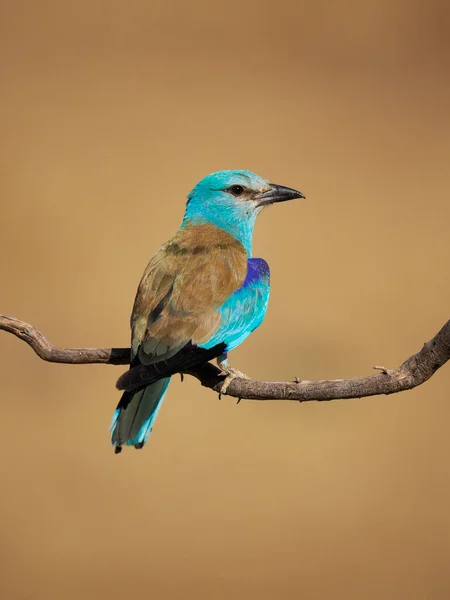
(231, 200)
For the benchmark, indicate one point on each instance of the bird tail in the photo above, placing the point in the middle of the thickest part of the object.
(135, 414)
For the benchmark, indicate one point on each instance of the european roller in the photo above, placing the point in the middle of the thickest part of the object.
(201, 295)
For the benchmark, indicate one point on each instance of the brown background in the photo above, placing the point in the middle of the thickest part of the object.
(110, 113)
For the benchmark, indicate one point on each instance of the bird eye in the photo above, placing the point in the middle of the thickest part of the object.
(236, 190)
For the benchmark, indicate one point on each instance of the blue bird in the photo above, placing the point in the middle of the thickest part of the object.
(201, 295)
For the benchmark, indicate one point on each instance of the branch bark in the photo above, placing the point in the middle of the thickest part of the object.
(411, 373)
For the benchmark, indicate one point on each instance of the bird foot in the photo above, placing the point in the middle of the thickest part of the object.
(230, 375)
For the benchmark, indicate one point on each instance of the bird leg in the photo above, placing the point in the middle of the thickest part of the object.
(222, 363)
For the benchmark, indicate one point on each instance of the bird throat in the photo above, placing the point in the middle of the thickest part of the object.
(238, 224)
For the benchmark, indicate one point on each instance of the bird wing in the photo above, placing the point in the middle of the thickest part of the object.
(245, 309)
(183, 286)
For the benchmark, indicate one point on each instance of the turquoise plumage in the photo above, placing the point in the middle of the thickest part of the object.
(244, 310)
(200, 296)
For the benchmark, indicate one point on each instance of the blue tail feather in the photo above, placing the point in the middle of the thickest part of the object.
(135, 414)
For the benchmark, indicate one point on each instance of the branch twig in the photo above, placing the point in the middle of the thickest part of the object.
(413, 372)
(51, 353)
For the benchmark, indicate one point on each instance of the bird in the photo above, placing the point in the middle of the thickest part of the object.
(201, 295)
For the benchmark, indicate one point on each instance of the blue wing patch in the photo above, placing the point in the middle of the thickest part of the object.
(244, 310)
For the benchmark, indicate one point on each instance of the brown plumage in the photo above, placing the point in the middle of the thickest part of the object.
(184, 284)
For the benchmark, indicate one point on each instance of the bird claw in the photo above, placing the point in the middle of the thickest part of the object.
(230, 374)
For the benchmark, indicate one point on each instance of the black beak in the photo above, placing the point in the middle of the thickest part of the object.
(278, 193)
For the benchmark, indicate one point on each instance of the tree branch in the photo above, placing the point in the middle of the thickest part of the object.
(413, 372)
(51, 353)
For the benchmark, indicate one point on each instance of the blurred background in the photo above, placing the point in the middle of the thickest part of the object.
(110, 113)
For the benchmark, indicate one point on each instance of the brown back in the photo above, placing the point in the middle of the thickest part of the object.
(184, 284)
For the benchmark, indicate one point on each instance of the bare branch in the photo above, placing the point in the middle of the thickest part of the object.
(51, 353)
(413, 372)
